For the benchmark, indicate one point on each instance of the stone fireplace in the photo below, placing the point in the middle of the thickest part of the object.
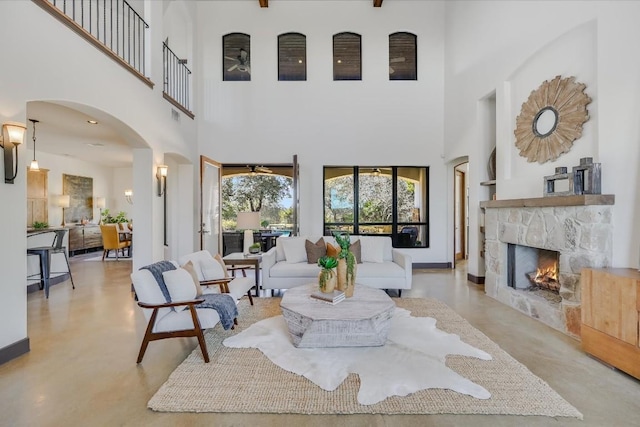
(524, 235)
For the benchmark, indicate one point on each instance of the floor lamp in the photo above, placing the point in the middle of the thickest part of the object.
(248, 221)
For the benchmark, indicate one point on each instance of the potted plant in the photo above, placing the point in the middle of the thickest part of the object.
(119, 218)
(255, 248)
(327, 278)
(346, 264)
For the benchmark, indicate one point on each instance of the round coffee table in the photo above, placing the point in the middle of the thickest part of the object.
(360, 321)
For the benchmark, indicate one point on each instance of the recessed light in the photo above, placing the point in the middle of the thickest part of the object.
(95, 144)
(92, 122)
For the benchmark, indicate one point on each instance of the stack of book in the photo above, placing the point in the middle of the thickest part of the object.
(331, 298)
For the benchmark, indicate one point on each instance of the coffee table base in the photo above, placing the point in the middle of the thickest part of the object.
(361, 321)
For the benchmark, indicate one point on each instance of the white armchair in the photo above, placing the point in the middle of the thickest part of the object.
(166, 322)
(214, 277)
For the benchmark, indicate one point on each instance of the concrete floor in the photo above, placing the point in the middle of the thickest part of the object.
(81, 370)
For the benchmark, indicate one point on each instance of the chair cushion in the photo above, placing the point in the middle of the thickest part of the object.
(315, 250)
(211, 269)
(180, 284)
(221, 262)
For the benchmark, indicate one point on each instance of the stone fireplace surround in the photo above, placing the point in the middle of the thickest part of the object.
(579, 227)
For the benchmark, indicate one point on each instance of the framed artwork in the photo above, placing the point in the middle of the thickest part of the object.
(292, 57)
(80, 191)
(236, 57)
(403, 56)
(347, 56)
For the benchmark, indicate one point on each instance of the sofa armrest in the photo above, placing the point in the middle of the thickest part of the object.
(268, 261)
(404, 261)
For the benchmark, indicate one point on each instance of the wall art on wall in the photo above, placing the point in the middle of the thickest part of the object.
(551, 119)
(236, 55)
(80, 191)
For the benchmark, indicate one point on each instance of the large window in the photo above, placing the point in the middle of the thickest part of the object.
(390, 201)
(292, 57)
(347, 57)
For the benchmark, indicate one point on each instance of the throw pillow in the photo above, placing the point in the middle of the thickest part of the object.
(355, 248)
(332, 251)
(224, 266)
(315, 250)
(190, 268)
(294, 251)
(180, 284)
(372, 249)
(211, 269)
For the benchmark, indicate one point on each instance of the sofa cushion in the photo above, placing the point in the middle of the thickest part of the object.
(315, 250)
(332, 250)
(180, 284)
(294, 250)
(285, 269)
(379, 269)
(372, 248)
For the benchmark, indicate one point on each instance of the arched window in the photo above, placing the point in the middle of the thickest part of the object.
(236, 55)
(403, 56)
(292, 57)
(347, 56)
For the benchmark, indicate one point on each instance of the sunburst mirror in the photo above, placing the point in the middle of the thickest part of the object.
(551, 119)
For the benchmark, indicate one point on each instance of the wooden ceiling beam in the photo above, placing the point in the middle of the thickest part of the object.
(377, 3)
(265, 3)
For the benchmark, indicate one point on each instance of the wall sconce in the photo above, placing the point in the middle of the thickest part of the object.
(34, 163)
(128, 194)
(64, 201)
(12, 136)
(100, 204)
(161, 175)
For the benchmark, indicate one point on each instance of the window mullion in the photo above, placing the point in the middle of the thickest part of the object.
(356, 200)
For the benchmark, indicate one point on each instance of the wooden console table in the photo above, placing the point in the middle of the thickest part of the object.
(610, 315)
(84, 238)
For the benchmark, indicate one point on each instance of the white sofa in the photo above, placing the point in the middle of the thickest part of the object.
(383, 267)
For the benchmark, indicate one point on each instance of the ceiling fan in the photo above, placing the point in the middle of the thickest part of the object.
(254, 169)
(395, 61)
(242, 64)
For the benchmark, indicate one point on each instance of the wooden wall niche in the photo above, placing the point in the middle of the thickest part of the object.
(37, 196)
(80, 190)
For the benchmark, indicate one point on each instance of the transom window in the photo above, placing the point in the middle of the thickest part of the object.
(347, 58)
(402, 56)
(292, 57)
(384, 200)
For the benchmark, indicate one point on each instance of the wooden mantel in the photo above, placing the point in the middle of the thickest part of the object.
(552, 201)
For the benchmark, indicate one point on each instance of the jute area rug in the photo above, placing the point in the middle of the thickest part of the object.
(244, 381)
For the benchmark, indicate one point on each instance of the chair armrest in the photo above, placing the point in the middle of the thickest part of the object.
(171, 304)
(222, 283)
(268, 261)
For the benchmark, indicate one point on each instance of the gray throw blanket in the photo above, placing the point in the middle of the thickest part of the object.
(224, 304)
(157, 269)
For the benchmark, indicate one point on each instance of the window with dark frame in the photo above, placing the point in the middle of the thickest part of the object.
(403, 56)
(236, 57)
(384, 200)
(347, 56)
(292, 57)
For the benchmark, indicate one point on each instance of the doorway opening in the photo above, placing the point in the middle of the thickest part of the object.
(461, 213)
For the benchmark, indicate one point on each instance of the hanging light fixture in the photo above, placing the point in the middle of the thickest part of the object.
(34, 163)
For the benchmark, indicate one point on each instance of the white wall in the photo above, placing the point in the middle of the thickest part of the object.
(50, 62)
(511, 48)
(370, 122)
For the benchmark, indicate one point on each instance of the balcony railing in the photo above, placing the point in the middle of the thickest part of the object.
(177, 78)
(113, 26)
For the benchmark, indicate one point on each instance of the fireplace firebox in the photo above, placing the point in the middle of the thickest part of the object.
(532, 269)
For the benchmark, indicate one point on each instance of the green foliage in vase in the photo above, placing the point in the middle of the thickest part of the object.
(328, 264)
(40, 225)
(119, 218)
(343, 240)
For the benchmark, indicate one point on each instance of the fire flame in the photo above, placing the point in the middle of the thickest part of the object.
(548, 273)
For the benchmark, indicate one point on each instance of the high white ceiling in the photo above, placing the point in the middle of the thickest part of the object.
(65, 131)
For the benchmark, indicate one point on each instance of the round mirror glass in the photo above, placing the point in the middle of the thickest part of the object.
(545, 122)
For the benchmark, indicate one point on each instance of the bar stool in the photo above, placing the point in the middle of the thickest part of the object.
(45, 252)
